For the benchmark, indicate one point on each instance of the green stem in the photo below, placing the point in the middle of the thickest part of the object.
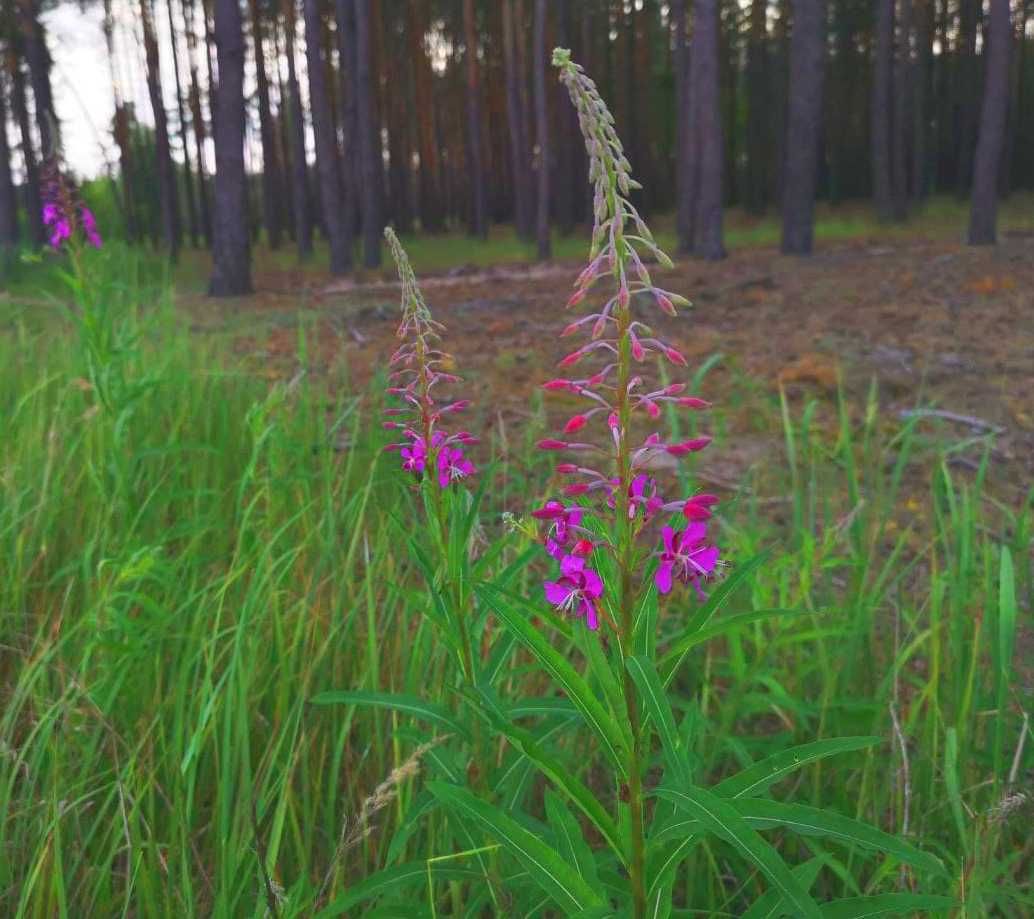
(626, 548)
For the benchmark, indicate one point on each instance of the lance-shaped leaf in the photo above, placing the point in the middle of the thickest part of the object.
(720, 817)
(757, 778)
(551, 872)
(656, 705)
(389, 880)
(407, 705)
(578, 691)
(885, 904)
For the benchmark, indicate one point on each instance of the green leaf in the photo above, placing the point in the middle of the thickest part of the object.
(578, 691)
(771, 905)
(408, 705)
(674, 656)
(885, 904)
(561, 776)
(951, 785)
(389, 880)
(655, 702)
(719, 597)
(569, 836)
(720, 817)
(554, 875)
(812, 821)
(758, 777)
(1006, 641)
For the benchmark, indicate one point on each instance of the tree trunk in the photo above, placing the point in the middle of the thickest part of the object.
(984, 200)
(8, 201)
(33, 202)
(804, 124)
(397, 117)
(567, 132)
(197, 120)
(167, 194)
(904, 80)
(327, 164)
(120, 128)
(706, 105)
(272, 211)
(475, 120)
(350, 180)
(369, 139)
(756, 194)
(968, 69)
(430, 188)
(920, 94)
(881, 109)
(685, 165)
(299, 167)
(515, 121)
(542, 132)
(188, 176)
(231, 258)
(34, 44)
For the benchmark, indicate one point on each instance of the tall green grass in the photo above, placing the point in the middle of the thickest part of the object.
(182, 572)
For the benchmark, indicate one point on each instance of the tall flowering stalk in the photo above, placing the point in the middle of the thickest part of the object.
(68, 220)
(428, 451)
(610, 476)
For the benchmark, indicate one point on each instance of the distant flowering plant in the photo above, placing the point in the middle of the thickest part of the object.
(626, 494)
(417, 368)
(64, 215)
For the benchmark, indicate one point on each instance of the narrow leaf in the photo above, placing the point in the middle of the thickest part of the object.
(554, 875)
(408, 705)
(885, 904)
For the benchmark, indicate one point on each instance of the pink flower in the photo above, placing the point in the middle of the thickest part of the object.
(414, 457)
(642, 493)
(453, 465)
(576, 591)
(699, 507)
(686, 556)
(89, 224)
(565, 520)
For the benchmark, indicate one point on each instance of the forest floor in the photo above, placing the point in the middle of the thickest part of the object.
(932, 324)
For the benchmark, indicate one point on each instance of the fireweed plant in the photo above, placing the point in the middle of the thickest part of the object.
(618, 816)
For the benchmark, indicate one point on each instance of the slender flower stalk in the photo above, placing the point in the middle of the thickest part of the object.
(624, 497)
(428, 451)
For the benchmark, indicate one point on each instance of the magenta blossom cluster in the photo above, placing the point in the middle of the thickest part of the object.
(612, 478)
(417, 367)
(63, 213)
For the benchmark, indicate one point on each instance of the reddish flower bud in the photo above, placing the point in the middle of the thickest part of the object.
(652, 408)
(675, 357)
(693, 402)
(575, 424)
(579, 488)
(673, 389)
(582, 547)
(570, 329)
(551, 444)
(665, 303)
(566, 468)
(623, 297)
(599, 327)
(576, 297)
(558, 384)
(613, 420)
(698, 507)
(638, 352)
(688, 446)
(573, 358)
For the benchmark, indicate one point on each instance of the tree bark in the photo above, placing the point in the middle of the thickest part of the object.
(706, 105)
(272, 210)
(167, 194)
(197, 120)
(369, 139)
(327, 164)
(983, 213)
(350, 181)
(920, 94)
(542, 132)
(881, 109)
(685, 165)
(33, 202)
(231, 257)
(120, 129)
(8, 201)
(188, 176)
(478, 222)
(756, 193)
(34, 44)
(299, 166)
(904, 80)
(804, 123)
(515, 122)
(968, 69)
(566, 131)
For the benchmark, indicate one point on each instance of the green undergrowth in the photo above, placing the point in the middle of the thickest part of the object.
(189, 556)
